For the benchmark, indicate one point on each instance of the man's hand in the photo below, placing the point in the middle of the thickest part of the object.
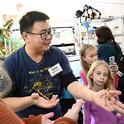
(106, 98)
(42, 102)
(119, 106)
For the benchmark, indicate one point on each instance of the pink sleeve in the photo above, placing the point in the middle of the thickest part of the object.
(83, 77)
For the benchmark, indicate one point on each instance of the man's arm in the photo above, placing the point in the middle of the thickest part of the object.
(79, 91)
(20, 103)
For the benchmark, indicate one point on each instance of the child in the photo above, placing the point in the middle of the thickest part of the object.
(100, 77)
(88, 54)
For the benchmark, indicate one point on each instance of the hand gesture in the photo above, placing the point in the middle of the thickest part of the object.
(44, 103)
(73, 113)
(116, 107)
(45, 118)
(101, 98)
(119, 106)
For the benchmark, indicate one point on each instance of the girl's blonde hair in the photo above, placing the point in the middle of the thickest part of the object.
(5, 83)
(82, 53)
(110, 82)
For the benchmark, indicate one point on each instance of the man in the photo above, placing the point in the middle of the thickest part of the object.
(7, 116)
(39, 67)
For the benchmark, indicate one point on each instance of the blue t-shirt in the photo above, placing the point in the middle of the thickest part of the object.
(28, 76)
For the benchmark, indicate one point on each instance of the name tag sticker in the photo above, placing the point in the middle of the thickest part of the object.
(55, 69)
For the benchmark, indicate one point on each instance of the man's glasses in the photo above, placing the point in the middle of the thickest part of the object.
(44, 35)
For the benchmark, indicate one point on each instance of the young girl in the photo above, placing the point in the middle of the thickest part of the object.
(100, 77)
(88, 54)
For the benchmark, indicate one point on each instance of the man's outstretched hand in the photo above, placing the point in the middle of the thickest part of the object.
(44, 103)
(106, 99)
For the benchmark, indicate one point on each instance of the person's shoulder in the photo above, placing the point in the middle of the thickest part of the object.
(105, 46)
(14, 55)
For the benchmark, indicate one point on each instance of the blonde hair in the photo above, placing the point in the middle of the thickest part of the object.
(110, 82)
(5, 83)
(82, 53)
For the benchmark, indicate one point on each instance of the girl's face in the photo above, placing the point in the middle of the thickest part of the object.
(90, 56)
(100, 75)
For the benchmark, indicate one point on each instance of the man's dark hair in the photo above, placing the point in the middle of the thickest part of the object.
(27, 21)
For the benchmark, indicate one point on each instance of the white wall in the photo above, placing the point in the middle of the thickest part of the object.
(62, 12)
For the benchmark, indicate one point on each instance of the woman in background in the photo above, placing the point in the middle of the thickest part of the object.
(107, 45)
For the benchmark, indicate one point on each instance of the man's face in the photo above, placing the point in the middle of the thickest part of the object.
(39, 38)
